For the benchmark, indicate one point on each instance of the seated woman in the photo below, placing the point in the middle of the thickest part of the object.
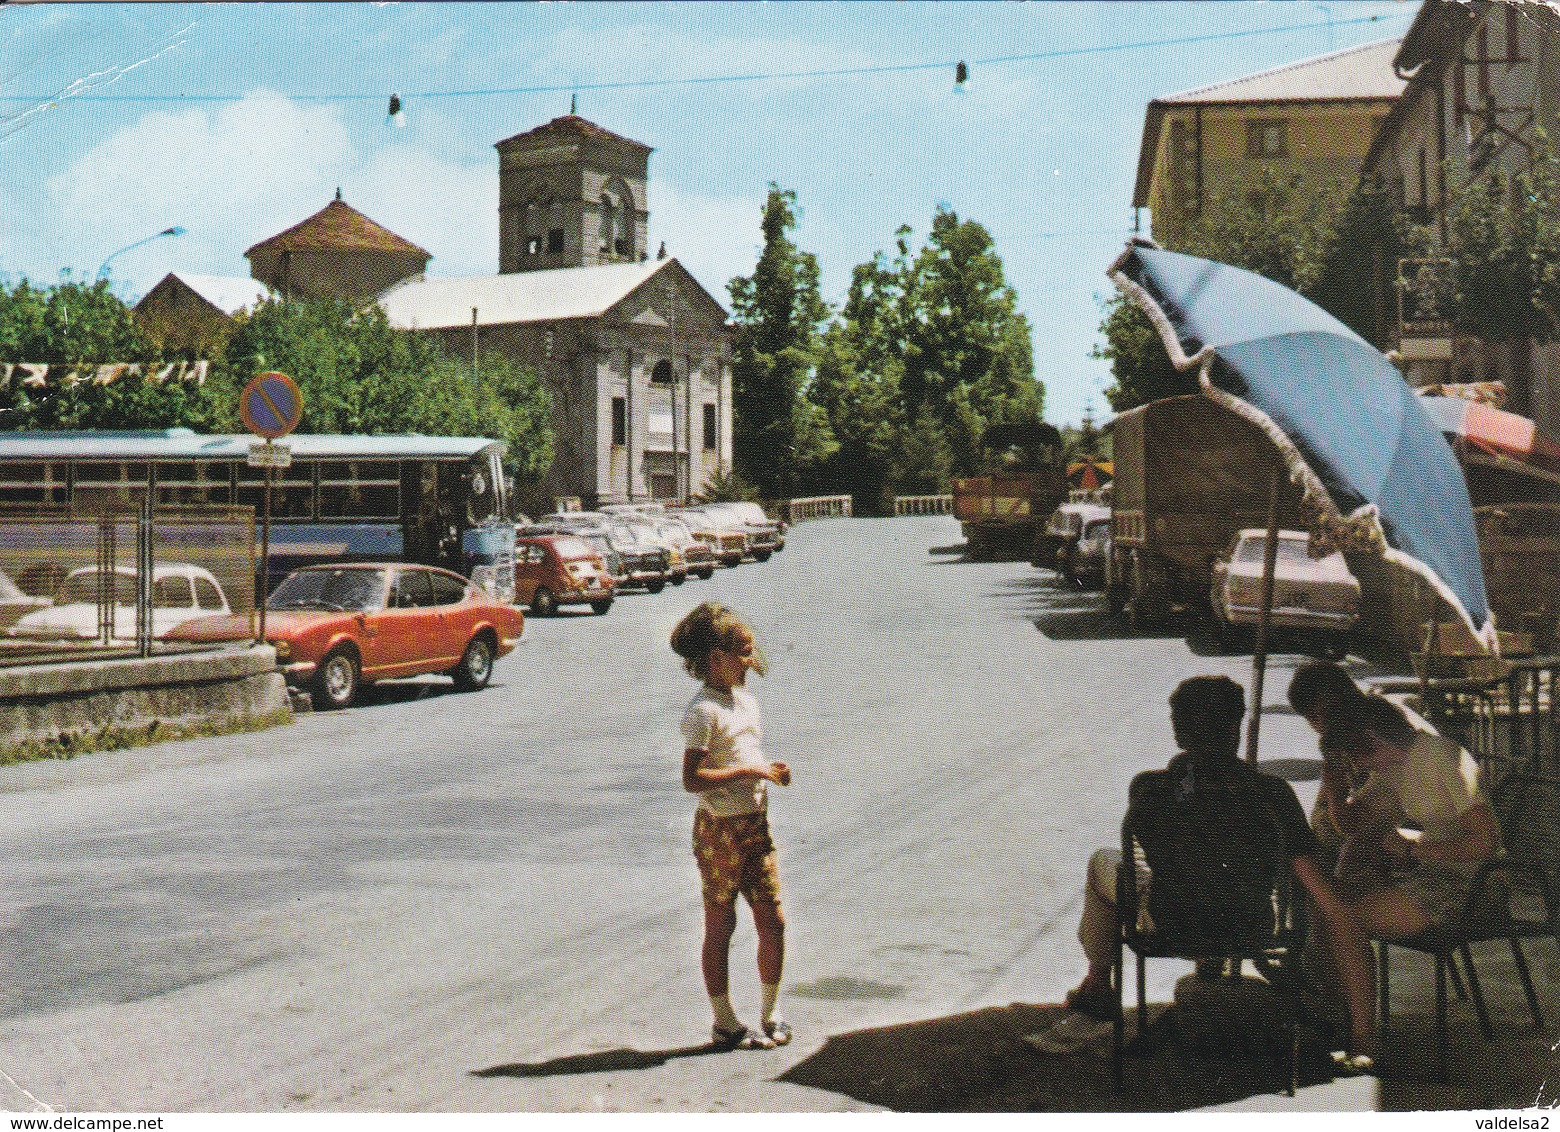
(1396, 886)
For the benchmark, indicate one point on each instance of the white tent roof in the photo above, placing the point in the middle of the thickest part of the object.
(522, 296)
(228, 293)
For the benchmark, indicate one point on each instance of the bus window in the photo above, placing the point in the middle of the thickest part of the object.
(203, 481)
(359, 489)
(32, 483)
(292, 490)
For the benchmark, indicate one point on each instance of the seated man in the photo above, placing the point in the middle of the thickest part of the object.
(1205, 715)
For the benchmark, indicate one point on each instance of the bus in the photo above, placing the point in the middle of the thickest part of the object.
(438, 500)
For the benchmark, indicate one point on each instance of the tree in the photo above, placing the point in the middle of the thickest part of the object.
(88, 325)
(778, 439)
(966, 347)
(359, 374)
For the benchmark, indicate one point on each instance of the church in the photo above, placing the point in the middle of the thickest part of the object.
(634, 351)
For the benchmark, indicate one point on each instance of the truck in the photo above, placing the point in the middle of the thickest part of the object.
(1189, 475)
(1003, 512)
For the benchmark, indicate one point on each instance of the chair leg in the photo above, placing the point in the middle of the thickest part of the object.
(1478, 993)
(1383, 983)
(1442, 1059)
(1142, 989)
(1527, 983)
(1118, 976)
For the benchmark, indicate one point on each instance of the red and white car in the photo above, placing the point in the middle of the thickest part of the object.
(338, 627)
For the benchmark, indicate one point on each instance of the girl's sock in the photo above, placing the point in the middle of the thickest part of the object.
(725, 1017)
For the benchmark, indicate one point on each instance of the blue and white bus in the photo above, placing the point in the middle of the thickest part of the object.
(437, 500)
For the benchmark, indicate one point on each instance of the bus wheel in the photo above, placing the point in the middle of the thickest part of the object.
(543, 604)
(336, 683)
(476, 665)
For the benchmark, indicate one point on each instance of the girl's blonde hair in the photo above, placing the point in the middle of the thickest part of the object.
(710, 626)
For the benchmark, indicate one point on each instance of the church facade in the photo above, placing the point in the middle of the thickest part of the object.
(634, 351)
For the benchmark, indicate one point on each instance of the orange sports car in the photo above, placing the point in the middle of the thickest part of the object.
(337, 627)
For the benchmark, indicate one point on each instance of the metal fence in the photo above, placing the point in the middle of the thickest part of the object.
(923, 505)
(816, 507)
(122, 582)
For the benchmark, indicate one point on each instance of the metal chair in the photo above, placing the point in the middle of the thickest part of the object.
(1221, 888)
(1486, 916)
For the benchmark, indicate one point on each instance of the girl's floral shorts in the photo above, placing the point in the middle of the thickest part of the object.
(735, 855)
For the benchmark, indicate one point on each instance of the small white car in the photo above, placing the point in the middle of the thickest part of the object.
(14, 604)
(180, 592)
(1316, 595)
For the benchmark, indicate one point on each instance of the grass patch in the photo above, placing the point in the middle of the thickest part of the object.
(119, 736)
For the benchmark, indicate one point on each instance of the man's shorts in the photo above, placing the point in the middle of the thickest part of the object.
(735, 855)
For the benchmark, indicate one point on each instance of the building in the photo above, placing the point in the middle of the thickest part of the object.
(1482, 80)
(194, 313)
(635, 352)
(336, 253)
(1314, 118)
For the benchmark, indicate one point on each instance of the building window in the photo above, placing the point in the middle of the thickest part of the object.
(619, 422)
(1265, 137)
(555, 241)
(709, 428)
(662, 373)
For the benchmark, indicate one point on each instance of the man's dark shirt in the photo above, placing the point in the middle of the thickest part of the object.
(1217, 834)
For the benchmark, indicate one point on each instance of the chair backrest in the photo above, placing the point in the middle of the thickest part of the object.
(1221, 881)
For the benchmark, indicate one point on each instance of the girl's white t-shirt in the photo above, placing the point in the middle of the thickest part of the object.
(726, 724)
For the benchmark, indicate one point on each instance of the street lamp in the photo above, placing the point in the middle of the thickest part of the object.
(174, 231)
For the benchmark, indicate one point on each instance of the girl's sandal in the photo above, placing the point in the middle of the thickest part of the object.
(740, 1038)
(778, 1031)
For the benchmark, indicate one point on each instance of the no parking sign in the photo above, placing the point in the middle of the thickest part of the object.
(271, 405)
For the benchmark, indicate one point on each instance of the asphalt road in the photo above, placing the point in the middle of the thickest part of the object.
(486, 901)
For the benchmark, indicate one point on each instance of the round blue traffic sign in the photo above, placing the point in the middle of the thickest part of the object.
(271, 405)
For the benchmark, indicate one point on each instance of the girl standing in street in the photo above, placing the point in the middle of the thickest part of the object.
(724, 764)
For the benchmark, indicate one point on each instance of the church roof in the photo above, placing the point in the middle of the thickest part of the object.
(517, 297)
(338, 226)
(572, 126)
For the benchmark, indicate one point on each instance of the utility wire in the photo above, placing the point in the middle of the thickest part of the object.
(704, 80)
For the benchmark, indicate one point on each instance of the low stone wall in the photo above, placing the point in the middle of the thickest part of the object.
(59, 710)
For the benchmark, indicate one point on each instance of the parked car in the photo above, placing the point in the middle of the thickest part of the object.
(735, 537)
(14, 604)
(763, 534)
(1063, 529)
(180, 592)
(696, 554)
(339, 627)
(645, 562)
(1083, 561)
(727, 542)
(556, 570)
(648, 532)
(1316, 596)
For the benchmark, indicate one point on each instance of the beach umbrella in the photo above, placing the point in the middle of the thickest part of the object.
(1375, 473)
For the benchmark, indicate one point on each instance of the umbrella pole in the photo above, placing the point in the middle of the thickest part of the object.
(1264, 615)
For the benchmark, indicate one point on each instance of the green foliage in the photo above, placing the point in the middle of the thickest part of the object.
(726, 487)
(779, 314)
(86, 324)
(1137, 358)
(358, 374)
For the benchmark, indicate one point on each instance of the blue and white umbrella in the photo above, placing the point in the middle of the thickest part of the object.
(1375, 472)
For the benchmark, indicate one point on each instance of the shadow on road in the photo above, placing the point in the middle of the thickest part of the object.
(979, 1062)
(606, 1061)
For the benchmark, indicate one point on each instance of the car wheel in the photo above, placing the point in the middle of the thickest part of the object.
(762, 555)
(476, 665)
(336, 683)
(543, 604)
(600, 607)
(679, 579)
(706, 575)
(656, 586)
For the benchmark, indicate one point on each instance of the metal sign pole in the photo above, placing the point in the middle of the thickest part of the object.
(265, 551)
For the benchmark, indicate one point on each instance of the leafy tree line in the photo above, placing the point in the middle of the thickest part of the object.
(889, 394)
(1339, 244)
(358, 374)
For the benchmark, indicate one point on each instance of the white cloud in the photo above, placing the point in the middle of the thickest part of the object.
(446, 208)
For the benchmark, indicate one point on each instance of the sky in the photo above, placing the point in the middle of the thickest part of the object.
(235, 121)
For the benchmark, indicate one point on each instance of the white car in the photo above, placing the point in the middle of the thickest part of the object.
(1318, 595)
(14, 604)
(180, 591)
